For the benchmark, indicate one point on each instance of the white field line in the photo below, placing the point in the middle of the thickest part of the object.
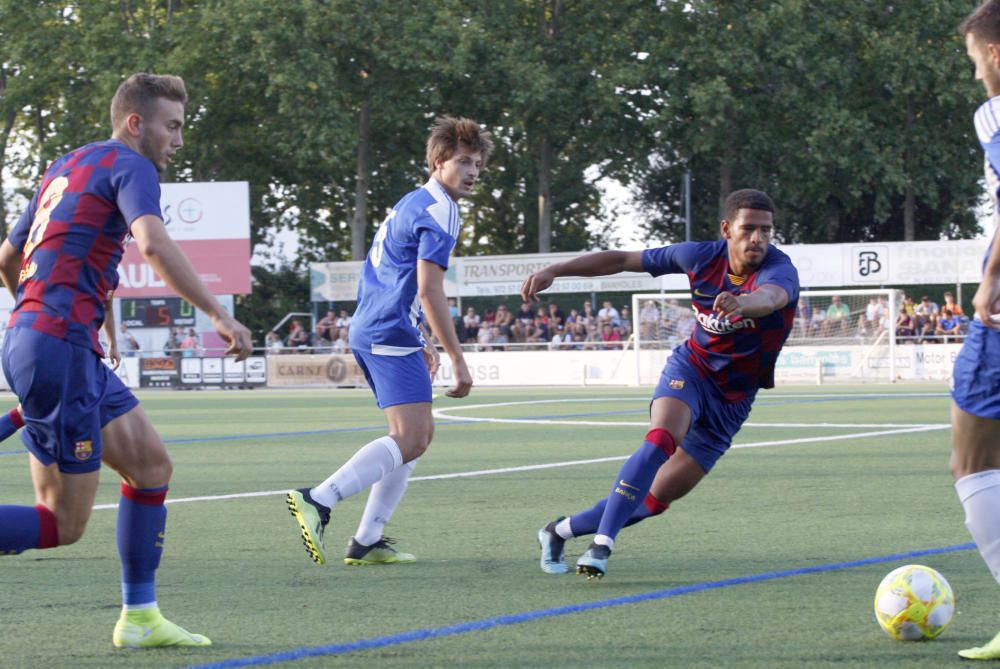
(553, 465)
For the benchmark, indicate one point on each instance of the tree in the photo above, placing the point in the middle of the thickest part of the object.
(844, 111)
(556, 80)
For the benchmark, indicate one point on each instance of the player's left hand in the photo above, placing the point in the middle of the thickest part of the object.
(727, 305)
(535, 284)
(236, 335)
(463, 379)
(432, 357)
(114, 357)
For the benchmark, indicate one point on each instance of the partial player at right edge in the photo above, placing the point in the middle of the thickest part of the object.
(975, 412)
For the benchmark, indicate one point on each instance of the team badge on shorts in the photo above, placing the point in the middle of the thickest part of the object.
(84, 449)
(676, 384)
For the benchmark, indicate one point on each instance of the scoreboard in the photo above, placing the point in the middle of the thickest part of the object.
(158, 312)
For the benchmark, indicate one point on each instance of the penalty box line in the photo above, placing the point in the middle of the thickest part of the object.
(556, 465)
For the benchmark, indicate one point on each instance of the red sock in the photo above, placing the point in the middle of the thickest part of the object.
(48, 531)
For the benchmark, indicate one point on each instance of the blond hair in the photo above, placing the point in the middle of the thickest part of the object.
(138, 93)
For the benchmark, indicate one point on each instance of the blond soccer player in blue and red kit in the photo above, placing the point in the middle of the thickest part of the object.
(975, 413)
(61, 262)
(744, 293)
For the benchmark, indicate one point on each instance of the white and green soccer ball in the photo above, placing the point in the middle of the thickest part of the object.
(914, 603)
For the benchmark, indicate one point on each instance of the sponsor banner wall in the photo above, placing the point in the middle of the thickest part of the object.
(503, 275)
(217, 371)
(128, 372)
(334, 281)
(796, 365)
(338, 281)
(211, 223)
(284, 371)
(888, 263)
(819, 265)
(159, 372)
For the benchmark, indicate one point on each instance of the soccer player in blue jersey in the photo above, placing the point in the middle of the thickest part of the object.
(61, 262)
(744, 293)
(975, 412)
(401, 285)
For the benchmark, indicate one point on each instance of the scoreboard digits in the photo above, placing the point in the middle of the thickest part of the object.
(157, 312)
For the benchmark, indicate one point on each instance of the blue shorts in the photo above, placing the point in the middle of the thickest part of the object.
(975, 378)
(67, 395)
(714, 419)
(396, 379)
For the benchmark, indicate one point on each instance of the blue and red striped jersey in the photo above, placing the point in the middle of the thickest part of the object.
(738, 355)
(72, 238)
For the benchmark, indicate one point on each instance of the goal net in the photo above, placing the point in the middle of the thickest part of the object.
(838, 335)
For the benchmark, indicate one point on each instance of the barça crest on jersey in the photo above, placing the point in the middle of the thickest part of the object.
(84, 449)
(676, 384)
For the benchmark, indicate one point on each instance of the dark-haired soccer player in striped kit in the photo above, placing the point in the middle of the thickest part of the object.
(61, 262)
(744, 293)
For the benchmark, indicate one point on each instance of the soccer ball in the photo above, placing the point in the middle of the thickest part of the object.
(914, 603)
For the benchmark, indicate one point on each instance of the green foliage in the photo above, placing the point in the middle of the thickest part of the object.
(276, 292)
(850, 112)
(838, 109)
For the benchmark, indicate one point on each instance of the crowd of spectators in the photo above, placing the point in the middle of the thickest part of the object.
(329, 336)
(922, 322)
(181, 343)
(543, 326)
(533, 326)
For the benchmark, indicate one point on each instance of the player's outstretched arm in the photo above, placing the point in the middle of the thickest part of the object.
(10, 266)
(762, 302)
(430, 289)
(601, 263)
(167, 259)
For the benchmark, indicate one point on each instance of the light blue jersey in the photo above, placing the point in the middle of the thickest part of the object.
(424, 225)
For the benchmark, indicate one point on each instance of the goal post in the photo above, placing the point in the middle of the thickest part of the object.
(838, 335)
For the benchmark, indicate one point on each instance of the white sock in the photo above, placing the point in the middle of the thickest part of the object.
(369, 465)
(382, 501)
(140, 607)
(563, 529)
(980, 495)
(604, 540)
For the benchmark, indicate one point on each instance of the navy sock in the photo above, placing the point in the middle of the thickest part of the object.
(633, 481)
(586, 522)
(142, 519)
(10, 423)
(25, 527)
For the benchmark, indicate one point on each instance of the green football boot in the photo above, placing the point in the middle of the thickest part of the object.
(312, 518)
(147, 628)
(990, 651)
(380, 552)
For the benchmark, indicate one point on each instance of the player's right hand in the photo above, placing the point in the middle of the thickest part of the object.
(463, 379)
(236, 335)
(986, 302)
(535, 284)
